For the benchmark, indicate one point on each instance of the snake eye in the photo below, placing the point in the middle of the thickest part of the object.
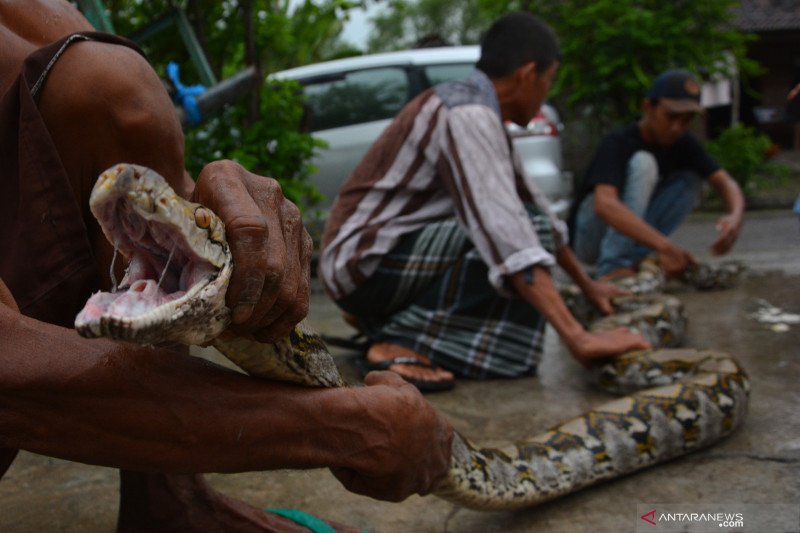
(202, 217)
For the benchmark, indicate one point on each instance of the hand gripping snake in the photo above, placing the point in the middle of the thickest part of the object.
(678, 400)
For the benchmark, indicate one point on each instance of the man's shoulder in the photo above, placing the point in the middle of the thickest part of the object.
(457, 93)
(467, 92)
(621, 139)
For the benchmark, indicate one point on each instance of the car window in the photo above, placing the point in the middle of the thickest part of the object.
(439, 73)
(356, 97)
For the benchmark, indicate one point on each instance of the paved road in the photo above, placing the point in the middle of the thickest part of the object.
(756, 470)
(770, 240)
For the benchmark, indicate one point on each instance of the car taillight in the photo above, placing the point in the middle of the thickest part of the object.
(539, 125)
(543, 127)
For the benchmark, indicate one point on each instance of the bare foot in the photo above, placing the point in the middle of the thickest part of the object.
(383, 351)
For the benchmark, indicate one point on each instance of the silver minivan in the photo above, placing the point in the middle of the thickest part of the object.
(350, 101)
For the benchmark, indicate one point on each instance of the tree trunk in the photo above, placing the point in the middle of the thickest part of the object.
(251, 59)
(194, 13)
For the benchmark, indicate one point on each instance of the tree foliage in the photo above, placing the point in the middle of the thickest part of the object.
(611, 49)
(261, 132)
(286, 33)
(407, 23)
(742, 151)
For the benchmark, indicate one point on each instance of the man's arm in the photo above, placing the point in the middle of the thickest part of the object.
(585, 346)
(616, 214)
(729, 225)
(599, 293)
(151, 409)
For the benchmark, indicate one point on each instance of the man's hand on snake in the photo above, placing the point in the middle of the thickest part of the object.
(590, 346)
(393, 469)
(269, 288)
(600, 293)
(674, 260)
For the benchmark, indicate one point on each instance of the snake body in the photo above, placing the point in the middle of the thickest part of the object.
(678, 400)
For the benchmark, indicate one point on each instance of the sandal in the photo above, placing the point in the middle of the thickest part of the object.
(358, 342)
(364, 367)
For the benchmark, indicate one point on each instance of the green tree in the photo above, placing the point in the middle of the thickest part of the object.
(262, 130)
(284, 34)
(406, 23)
(744, 152)
(611, 49)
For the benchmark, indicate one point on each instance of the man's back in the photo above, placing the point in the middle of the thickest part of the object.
(444, 154)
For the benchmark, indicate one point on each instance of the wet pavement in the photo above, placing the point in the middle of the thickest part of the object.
(756, 471)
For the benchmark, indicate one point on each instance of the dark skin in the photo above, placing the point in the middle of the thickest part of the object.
(163, 411)
(663, 127)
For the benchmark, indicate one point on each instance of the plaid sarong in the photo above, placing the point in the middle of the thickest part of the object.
(432, 294)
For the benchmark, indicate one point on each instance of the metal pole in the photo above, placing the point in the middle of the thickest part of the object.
(225, 92)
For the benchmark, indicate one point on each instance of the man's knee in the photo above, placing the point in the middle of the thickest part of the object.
(643, 168)
(588, 232)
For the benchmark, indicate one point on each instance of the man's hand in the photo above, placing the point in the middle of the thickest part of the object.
(591, 346)
(600, 294)
(674, 260)
(729, 225)
(728, 229)
(269, 289)
(407, 445)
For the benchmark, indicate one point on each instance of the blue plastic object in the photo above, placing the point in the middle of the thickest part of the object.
(314, 524)
(185, 95)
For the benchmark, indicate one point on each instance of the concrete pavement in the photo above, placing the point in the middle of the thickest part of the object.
(755, 471)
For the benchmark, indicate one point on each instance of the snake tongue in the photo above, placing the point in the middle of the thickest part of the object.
(140, 298)
(176, 274)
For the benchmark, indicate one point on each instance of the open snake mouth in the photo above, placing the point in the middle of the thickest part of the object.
(171, 245)
(162, 268)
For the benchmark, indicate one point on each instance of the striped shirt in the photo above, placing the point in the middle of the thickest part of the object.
(446, 154)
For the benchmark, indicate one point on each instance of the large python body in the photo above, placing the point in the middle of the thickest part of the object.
(174, 290)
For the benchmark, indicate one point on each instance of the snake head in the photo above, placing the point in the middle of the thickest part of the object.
(179, 263)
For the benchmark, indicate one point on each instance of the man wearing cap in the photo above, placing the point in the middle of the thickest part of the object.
(642, 183)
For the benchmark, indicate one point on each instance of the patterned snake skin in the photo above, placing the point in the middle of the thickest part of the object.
(679, 400)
